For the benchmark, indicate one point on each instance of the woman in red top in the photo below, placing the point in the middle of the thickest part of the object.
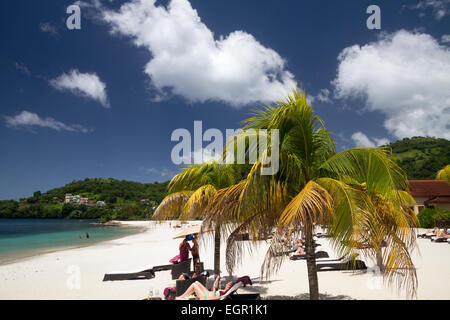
(184, 250)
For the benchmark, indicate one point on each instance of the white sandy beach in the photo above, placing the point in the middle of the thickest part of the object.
(54, 275)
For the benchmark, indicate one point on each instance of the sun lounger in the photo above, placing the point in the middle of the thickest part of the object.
(323, 235)
(163, 267)
(183, 285)
(139, 275)
(426, 235)
(319, 254)
(240, 283)
(345, 264)
(179, 268)
(147, 272)
(440, 239)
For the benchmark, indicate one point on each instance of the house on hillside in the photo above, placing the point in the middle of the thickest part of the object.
(430, 194)
(101, 204)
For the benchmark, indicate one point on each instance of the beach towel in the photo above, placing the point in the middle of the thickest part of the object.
(245, 280)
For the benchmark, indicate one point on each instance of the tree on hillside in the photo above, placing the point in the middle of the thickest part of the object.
(444, 174)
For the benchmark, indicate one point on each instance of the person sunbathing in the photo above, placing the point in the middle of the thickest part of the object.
(202, 293)
(297, 248)
(440, 234)
(299, 251)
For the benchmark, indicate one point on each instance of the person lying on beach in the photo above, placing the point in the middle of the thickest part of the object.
(204, 294)
(297, 248)
(297, 244)
(440, 234)
(299, 251)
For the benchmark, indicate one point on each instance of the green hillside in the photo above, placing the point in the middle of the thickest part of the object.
(110, 190)
(124, 200)
(420, 157)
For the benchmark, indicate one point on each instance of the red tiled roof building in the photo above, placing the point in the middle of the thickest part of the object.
(430, 194)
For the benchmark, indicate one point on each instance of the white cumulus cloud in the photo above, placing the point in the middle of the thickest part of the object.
(361, 140)
(26, 119)
(403, 75)
(187, 60)
(84, 84)
(322, 96)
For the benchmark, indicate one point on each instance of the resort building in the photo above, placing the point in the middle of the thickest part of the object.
(75, 199)
(430, 194)
(68, 198)
(71, 199)
(101, 204)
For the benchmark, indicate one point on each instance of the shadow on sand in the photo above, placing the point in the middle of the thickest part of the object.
(305, 296)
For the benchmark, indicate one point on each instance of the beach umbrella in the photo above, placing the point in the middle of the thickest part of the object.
(195, 229)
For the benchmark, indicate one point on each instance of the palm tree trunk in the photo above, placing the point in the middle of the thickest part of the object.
(217, 251)
(311, 263)
(379, 257)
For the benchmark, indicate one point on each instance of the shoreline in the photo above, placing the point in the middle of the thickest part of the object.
(34, 253)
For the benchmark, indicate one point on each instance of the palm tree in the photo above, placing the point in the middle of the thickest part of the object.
(316, 186)
(444, 174)
(190, 192)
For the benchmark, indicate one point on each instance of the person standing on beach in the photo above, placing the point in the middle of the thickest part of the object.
(184, 250)
(194, 251)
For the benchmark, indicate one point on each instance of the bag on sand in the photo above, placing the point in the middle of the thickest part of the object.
(170, 293)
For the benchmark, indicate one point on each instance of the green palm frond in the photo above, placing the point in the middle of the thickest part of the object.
(172, 205)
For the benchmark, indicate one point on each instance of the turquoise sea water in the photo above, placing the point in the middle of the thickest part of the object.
(22, 238)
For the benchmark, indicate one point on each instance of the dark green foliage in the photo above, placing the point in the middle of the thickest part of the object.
(123, 200)
(427, 217)
(110, 190)
(421, 158)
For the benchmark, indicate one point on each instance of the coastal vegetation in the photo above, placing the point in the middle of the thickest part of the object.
(428, 217)
(123, 200)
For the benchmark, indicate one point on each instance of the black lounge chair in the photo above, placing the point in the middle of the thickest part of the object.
(440, 239)
(136, 275)
(164, 267)
(179, 268)
(345, 264)
(426, 235)
(142, 275)
(323, 235)
(183, 285)
(319, 255)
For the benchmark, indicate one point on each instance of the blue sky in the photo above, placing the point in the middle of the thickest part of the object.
(103, 101)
